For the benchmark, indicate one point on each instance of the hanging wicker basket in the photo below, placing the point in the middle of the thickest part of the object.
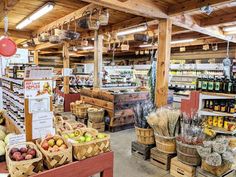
(25, 167)
(56, 159)
(165, 144)
(145, 135)
(96, 115)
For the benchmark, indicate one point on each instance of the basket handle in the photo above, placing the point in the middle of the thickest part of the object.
(68, 124)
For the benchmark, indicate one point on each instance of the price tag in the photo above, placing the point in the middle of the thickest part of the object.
(15, 139)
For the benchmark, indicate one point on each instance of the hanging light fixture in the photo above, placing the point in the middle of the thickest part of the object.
(182, 41)
(132, 30)
(37, 14)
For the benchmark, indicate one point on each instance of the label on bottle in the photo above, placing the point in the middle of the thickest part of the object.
(229, 87)
(199, 84)
(217, 86)
(210, 85)
(204, 85)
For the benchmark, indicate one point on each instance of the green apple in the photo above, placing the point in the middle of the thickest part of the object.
(82, 139)
(71, 135)
(87, 139)
(101, 135)
(88, 135)
(66, 136)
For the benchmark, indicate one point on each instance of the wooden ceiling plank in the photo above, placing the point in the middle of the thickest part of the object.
(10, 4)
(145, 8)
(194, 5)
(17, 34)
(74, 15)
(188, 22)
(218, 20)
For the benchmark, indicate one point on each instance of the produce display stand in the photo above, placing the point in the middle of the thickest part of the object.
(68, 98)
(84, 168)
(117, 105)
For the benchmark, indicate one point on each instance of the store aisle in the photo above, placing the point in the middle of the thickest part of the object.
(127, 165)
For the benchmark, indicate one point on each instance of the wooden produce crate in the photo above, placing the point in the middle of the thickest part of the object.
(203, 173)
(160, 159)
(98, 126)
(141, 150)
(179, 169)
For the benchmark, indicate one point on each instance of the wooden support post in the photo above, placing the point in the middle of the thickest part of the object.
(36, 57)
(163, 59)
(98, 49)
(66, 64)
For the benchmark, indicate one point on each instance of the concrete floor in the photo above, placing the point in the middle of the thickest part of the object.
(127, 165)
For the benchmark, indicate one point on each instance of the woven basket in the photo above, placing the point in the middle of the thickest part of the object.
(25, 167)
(81, 110)
(165, 144)
(85, 150)
(145, 135)
(96, 115)
(216, 170)
(188, 154)
(56, 159)
(68, 126)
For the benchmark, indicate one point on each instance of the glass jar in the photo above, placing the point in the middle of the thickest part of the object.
(216, 106)
(222, 106)
(215, 121)
(220, 121)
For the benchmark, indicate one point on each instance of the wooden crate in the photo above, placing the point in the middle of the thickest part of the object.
(203, 173)
(179, 169)
(141, 150)
(98, 126)
(160, 159)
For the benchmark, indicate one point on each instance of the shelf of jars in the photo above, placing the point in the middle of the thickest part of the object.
(13, 101)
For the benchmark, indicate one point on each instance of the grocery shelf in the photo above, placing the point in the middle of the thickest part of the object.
(11, 94)
(223, 131)
(208, 112)
(213, 95)
(17, 81)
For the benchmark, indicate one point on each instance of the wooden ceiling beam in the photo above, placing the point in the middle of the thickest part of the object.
(188, 22)
(144, 8)
(47, 45)
(193, 5)
(199, 42)
(17, 34)
(72, 16)
(4, 8)
(218, 20)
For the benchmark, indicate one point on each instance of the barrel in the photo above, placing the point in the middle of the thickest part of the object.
(165, 144)
(188, 154)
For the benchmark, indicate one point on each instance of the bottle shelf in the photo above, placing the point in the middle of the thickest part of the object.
(209, 112)
(214, 95)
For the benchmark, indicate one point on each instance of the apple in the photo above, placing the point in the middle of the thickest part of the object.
(88, 135)
(15, 155)
(101, 135)
(59, 142)
(87, 139)
(71, 135)
(82, 139)
(19, 157)
(14, 150)
(23, 155)
(28, 157)
(23, 150)
(32, 152)
(45, 145)
(55, 148)
(66, 136)
(63, 146)
(51, 142)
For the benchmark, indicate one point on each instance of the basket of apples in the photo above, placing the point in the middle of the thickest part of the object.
(90, 143)
(23, 159)
(69, 126)
(56, 151)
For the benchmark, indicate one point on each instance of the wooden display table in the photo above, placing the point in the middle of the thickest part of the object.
(119, 106)
(102, 164)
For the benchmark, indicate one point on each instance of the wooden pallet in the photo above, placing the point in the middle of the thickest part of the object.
(141, 150)
(203, 173)
(160, 159)
(98, 126)
(179, 169)
(121, 127)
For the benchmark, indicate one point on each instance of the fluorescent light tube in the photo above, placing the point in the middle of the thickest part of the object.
(87, 48)
(147, 45)
(182, 41)
(37, 14)
(42, 11)
(229, 28)
(132, 30)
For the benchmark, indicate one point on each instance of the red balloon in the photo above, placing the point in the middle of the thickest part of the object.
(7, 47)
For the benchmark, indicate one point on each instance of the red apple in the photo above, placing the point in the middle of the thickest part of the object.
(23, 155)
(23, 150)
(14, 150)
(32, 152)
(45, 145)
(15, 155)
(19, 158)
(28, 157)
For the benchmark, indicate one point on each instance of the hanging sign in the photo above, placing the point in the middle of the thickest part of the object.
(38, 73)
(42, 124)
(38, 88)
